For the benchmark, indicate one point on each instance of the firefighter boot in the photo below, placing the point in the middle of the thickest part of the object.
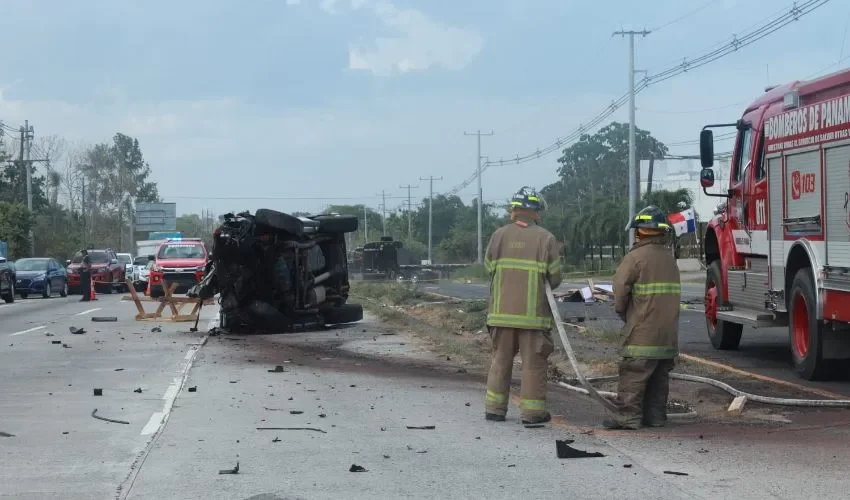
(657, 392)
(631, 386)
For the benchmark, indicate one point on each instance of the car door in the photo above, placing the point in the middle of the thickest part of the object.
(51, 275)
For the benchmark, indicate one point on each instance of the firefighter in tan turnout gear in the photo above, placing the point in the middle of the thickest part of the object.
(647, 296)
(519, 257)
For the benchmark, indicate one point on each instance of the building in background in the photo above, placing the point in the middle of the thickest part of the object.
(671, 175)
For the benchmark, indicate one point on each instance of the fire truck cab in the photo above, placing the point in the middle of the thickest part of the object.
(778, 255)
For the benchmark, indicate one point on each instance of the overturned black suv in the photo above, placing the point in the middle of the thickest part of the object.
(276, 272)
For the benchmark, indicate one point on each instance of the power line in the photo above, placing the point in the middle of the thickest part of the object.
(685, 16)
(736, 43)
(409, 213)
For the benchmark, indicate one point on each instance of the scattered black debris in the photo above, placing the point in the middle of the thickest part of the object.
(272, 409)
(357, 468)
(234, 381)
(138, 390)
(98, 392)
(383, 429)
(385, 456)
(65, 432)
(468, 404)
(675, 473)
(353, 385)
(104, 319)
(564, 450)
(95, 415)
(57, 342)
(422, 427)
(627, 466)
(277, 369)
(702, 450)
(448, 358)
(156, 329)
(234, 470)
(291, 429)
(534, 426)
(512, 465)
(6, 434)
(461, 370)
(119, 369)
(193, 389)
(290, 398)
(276, 440)
(295, 412)
(478, 437)
(700, 436)
(322, 415)
(76, 331)
(66, 346)
(48, 334)
(388, 333)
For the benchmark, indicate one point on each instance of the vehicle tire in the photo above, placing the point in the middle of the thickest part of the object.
(107, 289)
(10, 297)
(47, 291)
(805, 330)
(24, 295)
(345, 313)
(280, 221)
(722, 334)
(337, 223)
(64, 291)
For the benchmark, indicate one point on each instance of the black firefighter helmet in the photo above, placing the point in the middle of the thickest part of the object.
(652, 218)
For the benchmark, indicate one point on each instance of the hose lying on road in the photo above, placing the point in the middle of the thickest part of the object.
(600, 396)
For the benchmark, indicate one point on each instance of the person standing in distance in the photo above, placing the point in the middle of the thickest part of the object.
(520, 256)
(85, 276)
(647, 297)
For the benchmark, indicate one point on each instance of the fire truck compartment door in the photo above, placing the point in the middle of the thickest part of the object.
(837, 203)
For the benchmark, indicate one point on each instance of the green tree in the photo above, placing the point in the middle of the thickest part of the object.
(15, 224)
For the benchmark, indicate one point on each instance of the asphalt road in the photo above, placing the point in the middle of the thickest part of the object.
(765, 351)
(360, 387)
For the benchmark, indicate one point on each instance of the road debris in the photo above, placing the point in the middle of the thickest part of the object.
(119, 369)
(138, 390)
(95, 415)
(627, 466)
(104, 319)
(66, 346)
(357, 468)
(675, 473)
(193, 389)
(98, 392)
(57, 342)
(276, 440)
(534, 426)
(234, 470)
(295, 412)
(6, 434)
(291, 429)
(76, 331)
(422, 427)
(156, 329)
(564, 450)
(48, 334)
(277, 369)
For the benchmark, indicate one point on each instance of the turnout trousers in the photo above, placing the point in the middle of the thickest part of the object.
(642, 391)
(85, 285)
(534, 347)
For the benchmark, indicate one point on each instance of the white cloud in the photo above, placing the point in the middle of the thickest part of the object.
(421, 42)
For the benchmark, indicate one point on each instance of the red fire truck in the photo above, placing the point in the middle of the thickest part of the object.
(779, 253)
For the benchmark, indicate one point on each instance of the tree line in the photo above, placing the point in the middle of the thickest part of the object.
(82, 195)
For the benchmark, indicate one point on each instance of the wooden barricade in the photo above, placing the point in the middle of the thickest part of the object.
(175, 304)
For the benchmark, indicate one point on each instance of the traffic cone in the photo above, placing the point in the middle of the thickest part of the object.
(92, 295)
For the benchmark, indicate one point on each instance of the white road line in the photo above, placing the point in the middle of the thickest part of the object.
(153, 424)
(30, 330)
(89, 311)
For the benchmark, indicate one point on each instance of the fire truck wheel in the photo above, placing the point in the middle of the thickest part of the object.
(804, 328)
(723, 334)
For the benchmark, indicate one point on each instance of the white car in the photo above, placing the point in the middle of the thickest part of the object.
(126, 260)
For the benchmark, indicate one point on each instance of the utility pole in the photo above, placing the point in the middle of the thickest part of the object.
(383, 212)
(409, 213)
(632, 145)
(430, 213)
(478, 165)
(365, 225)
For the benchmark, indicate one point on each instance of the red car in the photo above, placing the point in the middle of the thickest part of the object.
(180, 261)
(107, 273)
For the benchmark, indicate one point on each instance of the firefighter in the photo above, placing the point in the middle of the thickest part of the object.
(519, 257)
(647, 295)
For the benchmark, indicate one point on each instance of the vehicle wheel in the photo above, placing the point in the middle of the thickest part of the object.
(337, 223)
(107, 290)
(280, 221)
(47, 291)
(804, 329)
(723, 334)
(10, 297)
(64, 291)
(24, 295)
(346, 313)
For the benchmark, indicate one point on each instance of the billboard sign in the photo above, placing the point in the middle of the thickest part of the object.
(156, 217)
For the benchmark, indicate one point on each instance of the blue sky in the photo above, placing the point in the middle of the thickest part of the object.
(338, 100)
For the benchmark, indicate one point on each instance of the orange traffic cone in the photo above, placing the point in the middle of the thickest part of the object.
(92, 295)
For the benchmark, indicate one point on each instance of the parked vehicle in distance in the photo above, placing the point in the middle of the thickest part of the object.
(140, 267)
(7, 280)
(40, 275)
(107, 274)
(144, 277)
(181, 261)
(126, 260)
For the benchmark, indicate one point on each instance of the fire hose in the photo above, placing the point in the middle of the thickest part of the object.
(601, 396)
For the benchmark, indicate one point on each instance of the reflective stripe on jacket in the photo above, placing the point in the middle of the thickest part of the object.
(647, 296)
(519, 257)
